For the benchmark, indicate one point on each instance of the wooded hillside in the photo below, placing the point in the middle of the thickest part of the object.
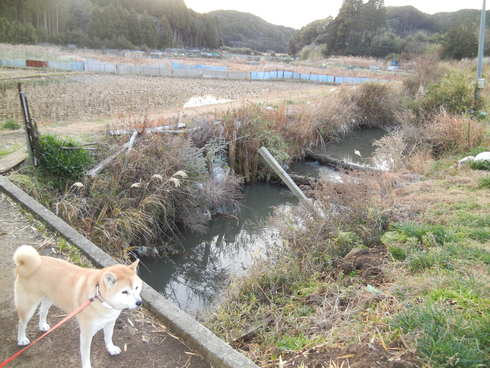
(239, 29)
(368, 28)
(153, 24)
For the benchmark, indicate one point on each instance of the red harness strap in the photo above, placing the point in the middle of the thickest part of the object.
(59, 324)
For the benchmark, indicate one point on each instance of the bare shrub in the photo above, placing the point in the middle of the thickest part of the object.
(147, 197)
(248, 128)
(376, 105)
(420, 161)
(448, 133)
(428, 70)
(369, 105)
(335, 115)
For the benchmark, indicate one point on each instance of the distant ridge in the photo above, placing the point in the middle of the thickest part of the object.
(237, 29)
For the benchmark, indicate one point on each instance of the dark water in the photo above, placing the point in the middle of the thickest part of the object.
(358, 140)
(195, 280)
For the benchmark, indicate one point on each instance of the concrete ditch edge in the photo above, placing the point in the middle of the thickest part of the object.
(215, 350)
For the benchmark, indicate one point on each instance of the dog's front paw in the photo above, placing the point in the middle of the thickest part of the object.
(114, 350)
(44, 327)
(23, 341)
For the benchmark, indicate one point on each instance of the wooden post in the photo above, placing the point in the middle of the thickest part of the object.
(271, 161)
(32, 132)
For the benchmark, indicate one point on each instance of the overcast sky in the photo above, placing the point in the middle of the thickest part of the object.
(298, 13)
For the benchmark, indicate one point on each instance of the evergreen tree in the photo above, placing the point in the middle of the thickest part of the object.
(461, 42)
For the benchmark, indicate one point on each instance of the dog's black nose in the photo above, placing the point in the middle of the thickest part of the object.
(138, 303)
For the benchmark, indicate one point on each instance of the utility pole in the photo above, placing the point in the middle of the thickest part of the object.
(480, 82)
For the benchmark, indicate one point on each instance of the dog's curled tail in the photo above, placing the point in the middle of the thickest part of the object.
(27, 260)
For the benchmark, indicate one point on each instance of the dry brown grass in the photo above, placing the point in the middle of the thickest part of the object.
(251, 127)
(428, 69)
(162, 187)
(368, 105)
(453, 134)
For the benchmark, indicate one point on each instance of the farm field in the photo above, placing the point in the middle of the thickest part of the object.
(83, 105)
(82, 97)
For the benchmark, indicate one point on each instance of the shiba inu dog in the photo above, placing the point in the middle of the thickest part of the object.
(46, 281)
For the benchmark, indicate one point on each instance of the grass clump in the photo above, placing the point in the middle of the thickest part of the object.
(10, 124)
(444, 336)
(427, 235)
(484, 183)
(60, 165)
(371, 105)
(296, 343)
(480, 165)
(249, 128)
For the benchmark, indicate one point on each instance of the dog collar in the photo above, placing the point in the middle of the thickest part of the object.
(98, 296)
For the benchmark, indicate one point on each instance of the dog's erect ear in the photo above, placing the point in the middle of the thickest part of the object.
(134, 265)
(110, 279)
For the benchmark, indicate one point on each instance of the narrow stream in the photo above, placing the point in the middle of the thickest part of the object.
(195, 280)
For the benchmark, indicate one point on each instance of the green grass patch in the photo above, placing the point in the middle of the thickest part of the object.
(444, 335)
(296, 343)
(472, 220)
(484, 183)
(10, 125)
(62, 166)
(423, 260)
(480, 165)
(476, 150)
(398, 254)
(428, 235)
(4, 153)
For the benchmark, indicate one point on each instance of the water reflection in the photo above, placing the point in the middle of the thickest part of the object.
(195, 279)
(357, 147)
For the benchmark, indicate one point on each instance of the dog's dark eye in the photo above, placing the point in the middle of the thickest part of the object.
(125, 292)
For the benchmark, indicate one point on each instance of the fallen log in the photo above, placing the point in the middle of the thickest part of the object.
(336, 163)
(179, 129)
(103, 164)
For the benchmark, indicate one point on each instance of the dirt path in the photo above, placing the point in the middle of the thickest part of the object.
(146, 343)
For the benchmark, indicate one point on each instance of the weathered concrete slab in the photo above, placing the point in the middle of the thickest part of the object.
(218, 353)
(13, 160)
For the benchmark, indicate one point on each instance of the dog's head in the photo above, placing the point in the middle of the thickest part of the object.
(120, 286)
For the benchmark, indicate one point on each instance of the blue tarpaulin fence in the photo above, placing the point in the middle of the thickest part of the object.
(191, 71)
(14, 63)
(319, 78)
(215, 68)
(72, 66)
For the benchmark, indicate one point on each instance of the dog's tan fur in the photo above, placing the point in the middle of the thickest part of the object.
(46, 281)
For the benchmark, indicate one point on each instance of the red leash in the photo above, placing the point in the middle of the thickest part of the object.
(59, 324)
